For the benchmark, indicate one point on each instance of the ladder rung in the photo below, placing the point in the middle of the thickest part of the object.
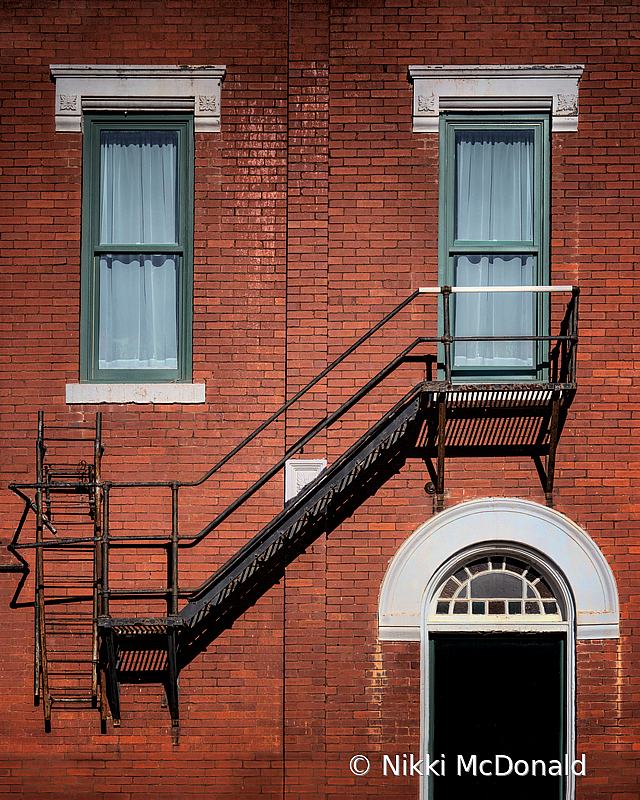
(81, 699)
(79, 650)
(53, 615)
(85, 660)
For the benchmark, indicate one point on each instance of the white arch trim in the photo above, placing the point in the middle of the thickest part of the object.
(504, 522)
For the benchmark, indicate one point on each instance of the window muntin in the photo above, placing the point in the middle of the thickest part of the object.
(494, 232)
(138, 223)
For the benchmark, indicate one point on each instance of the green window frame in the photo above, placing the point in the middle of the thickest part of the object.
(529, 251)
(159, 266)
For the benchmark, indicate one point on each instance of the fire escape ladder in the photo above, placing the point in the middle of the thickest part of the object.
(67, 508)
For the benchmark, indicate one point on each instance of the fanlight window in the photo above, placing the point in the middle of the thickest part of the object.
(498, 586)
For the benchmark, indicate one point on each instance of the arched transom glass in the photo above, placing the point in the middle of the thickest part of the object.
(498, 585)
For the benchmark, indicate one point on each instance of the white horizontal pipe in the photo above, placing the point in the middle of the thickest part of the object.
(468, 289)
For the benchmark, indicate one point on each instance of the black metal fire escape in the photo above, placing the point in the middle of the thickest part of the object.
(436, 420)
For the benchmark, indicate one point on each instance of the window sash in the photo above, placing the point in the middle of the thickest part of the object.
(490, 314)
(138, 311)
(138, 186)
(527, 232)
(494, 185)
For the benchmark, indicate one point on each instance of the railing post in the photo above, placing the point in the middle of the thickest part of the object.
(104, 578)
(173, 558)
(37, 662)
(446, 339)
(97, 567)
(575, 294)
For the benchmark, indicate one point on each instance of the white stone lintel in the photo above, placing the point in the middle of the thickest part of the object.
(91, 87)
(119, 393)
(468, 87)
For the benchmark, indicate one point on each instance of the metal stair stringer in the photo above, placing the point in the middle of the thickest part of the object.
(322, 505)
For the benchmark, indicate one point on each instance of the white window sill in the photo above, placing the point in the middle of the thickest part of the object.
(82, 393)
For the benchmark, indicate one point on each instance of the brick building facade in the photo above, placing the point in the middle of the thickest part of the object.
(318, 208)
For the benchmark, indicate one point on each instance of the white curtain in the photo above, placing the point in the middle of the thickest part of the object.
(138, 293)
(494, 202)
(497, 314)
(138, 312)
(138, 185)
(494, 186)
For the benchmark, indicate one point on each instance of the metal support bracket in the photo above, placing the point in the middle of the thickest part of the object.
(547, 473)
(172, 686)
(113, 684)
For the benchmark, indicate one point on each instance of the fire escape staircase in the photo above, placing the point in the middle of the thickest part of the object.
(436, 420)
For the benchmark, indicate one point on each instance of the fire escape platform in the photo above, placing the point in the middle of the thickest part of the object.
(492, 420)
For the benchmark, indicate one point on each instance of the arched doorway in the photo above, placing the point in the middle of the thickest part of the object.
(498, 679)
(493, 666)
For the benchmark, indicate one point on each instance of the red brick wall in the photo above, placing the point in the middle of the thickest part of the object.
(315, 213)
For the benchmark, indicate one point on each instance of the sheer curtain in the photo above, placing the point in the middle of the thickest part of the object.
(138, 292)
(138, 312)
(494, 203)
(499, 314)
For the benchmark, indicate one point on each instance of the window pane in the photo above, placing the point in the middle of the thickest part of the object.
(544, 590)
(494, 185)
(495, 314)
(138, 187)
(496, 584)
(138, 312)
(450, 588)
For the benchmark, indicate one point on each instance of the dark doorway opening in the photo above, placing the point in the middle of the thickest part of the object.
(497, 695)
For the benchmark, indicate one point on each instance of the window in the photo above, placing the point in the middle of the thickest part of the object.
(500, 586)
(494, 209)
(137, 248)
